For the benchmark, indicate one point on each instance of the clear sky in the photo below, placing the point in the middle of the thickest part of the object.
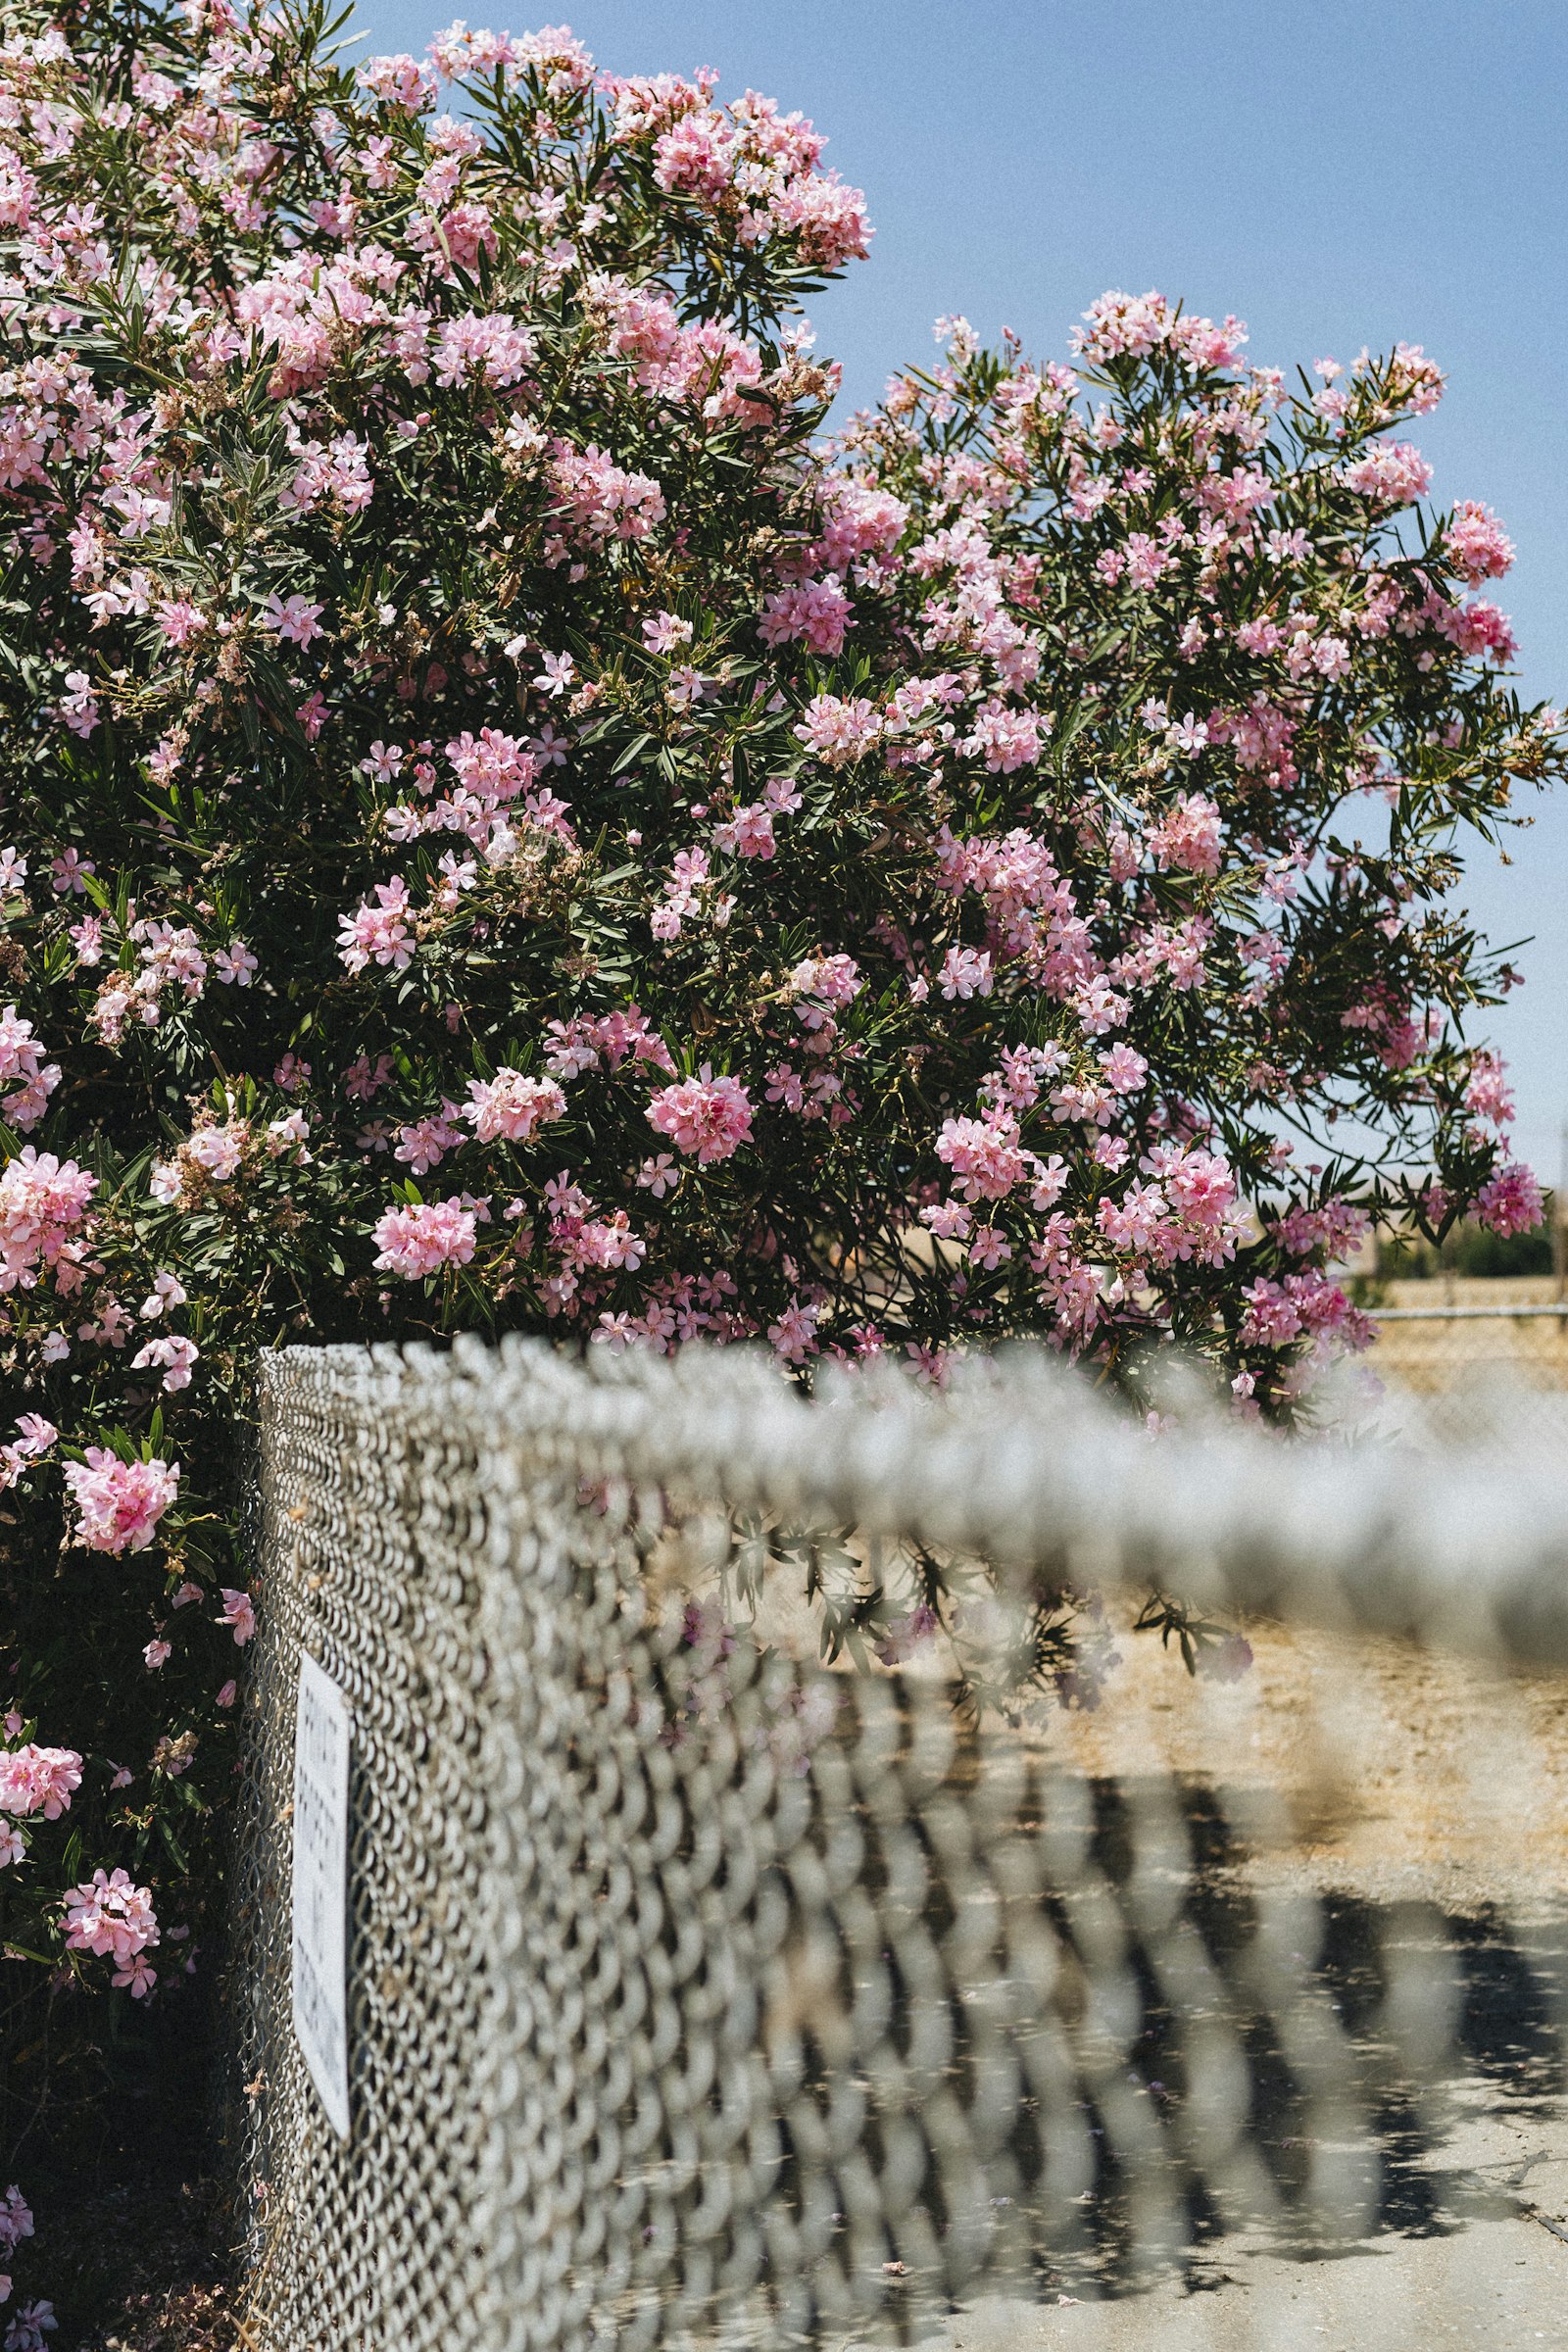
(1353, 171)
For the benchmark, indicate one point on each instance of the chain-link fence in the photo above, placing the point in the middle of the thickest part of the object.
(709, 1989)
(1461, 1357)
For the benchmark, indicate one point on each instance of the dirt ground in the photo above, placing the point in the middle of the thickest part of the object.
(1372, 1768)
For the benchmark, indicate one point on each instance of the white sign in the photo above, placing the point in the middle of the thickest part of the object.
(321, 1728)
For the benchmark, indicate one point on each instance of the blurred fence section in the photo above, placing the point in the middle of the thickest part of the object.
(705, 1992)
(1483, 1357)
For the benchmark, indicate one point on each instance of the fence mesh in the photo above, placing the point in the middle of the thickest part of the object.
(710, 1991)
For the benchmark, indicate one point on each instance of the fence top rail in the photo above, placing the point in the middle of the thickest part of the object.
(1460, 1314)
(1021, 1462)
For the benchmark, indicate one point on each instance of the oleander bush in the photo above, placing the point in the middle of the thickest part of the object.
(505, 827)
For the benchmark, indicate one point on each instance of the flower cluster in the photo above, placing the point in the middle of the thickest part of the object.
(114, 1919)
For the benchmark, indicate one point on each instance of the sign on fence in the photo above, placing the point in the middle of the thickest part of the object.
(321, 1729)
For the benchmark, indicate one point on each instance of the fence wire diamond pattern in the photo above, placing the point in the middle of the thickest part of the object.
(706, 1993)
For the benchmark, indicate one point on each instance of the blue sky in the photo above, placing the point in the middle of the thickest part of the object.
(1338, 174)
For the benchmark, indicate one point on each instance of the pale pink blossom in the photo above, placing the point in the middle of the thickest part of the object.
(235, 966)
(813, 613)
(119, 1505)
(664, 633)
(794, 1334)
(1477, 545)
(1510, 1200)
(239, 1615)
(1487, 1095)
(705, 1115)
(111, 1917)
(296, 619)
(379, 932)
(16, 2219)
(986, 1156)
(43, 1203)
(1189, 836)
(38, 1779)
(218, 1151)
(511, 1106)
(33, 2320)
(172, 1353)
(966, 972)
(1393, 473)
(422, 1239)
(838, 732)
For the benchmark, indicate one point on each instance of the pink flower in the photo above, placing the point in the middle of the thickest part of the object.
(1486, 1092)
(827, 216)
(234, 964)
(70, 872)
(378, 933)
(31, 2323)
(424, 1143)
(1510, 1200)
(749, 833)
(858, 520)
(119, 1505)
(1188, 736)
(43, 1201)
(694, 157)
(1135, 1221)
(815, 611)
(78, 705)
(707, 1115)
(1006, 739)
(965, 972)
(227, 1695)
(665, 632)
(16, 2219)
(38, 1779)
(989, 1246)
(218, 1151)
(794, 1334)
(1478, 628)
(1126, 1072)
(181, 620)
(986, 1156)
(156, 1653)
(423, 1239)
(296, 620)
(108, 1916)
(511, 1106)
(239, 1615)
(1187, 836)
(1477, 545)
(1392, 473)
(596, 500)
(837, 732)
(20, 1059)
(907, 1633)
(175, 1353)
